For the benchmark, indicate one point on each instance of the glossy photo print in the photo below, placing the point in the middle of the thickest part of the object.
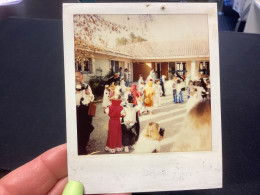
(145, 74)
(142, 96)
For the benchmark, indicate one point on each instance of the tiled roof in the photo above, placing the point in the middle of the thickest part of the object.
(157, 50)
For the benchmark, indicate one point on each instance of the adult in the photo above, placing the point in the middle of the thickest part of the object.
(113, 79)
(120, 73)
(84, 122)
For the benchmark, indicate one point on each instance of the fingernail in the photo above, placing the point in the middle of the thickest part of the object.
(73, 188)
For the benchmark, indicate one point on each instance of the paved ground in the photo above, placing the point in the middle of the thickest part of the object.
(168, 115)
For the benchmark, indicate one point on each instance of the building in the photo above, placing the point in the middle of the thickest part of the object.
(189, 58)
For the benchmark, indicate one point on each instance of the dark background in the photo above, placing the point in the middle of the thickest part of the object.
(32, 101)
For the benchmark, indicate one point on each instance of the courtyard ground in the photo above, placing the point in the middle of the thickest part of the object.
(169, 116)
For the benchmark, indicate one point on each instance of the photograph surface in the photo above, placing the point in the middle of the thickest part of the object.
(145, 74)
(142, 96)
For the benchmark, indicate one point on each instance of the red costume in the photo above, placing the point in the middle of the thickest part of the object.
(135, 93)
(114, 138)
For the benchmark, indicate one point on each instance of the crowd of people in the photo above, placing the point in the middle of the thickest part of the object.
(124, 104)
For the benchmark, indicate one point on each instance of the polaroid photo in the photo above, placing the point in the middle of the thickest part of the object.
(142, 96)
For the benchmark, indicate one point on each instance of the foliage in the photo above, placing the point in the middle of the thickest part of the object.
(97, 83)
(132, 39)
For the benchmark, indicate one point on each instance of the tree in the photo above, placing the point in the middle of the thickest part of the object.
(132, 39)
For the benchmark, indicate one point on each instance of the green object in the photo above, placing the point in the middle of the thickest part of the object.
(73, 188)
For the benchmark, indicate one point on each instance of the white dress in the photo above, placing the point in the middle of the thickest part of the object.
(146, 145)
(157, 95)
(106, 101)
(118, 90)
(140, 81)
(122, 85)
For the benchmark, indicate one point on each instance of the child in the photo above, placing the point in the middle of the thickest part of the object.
(162, 81)
(193, 98)
(106, 101)
(158, 93)
(208, 88)
(174, 85)
(112, 90)
(130, 125)
(140, 81)
(140, 103)
(135, 93)
(189, 88)
(196, 132)
(126, 94)
(200, 91)
(179, 97)
(142, 87)
(122, 84)
(149, 96)
(149, 140)
(117, 89)
(114, 137)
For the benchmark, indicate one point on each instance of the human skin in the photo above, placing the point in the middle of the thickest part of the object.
(46, 174)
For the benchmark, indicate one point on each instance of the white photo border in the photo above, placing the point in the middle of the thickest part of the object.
(143, 172)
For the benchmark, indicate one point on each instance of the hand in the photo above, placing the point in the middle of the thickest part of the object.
(45, 174)
(160, 138)
(87, 91)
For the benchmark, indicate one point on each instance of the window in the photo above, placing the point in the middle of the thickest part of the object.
(114, 66)
(85, 66)
(180, 68)
(171, 66)
(204, 68)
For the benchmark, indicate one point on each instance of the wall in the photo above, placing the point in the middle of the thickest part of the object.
(141, 68)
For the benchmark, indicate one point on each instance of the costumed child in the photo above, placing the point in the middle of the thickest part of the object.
(162, 81)
(112, 90)
(193, 98)
(142, 88)
(122, 84)
(149, 140)
(140, 81)
(200, 91)
(196, 133)
(106, 101)
(114, 137)
(140, 103)
(174, 85)
(135, 93)
(158, 93)
(149, 96)
(131, 125)
(179, 97)
(118, 88)
(189, 88)
(208, 88)
(126, 94)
